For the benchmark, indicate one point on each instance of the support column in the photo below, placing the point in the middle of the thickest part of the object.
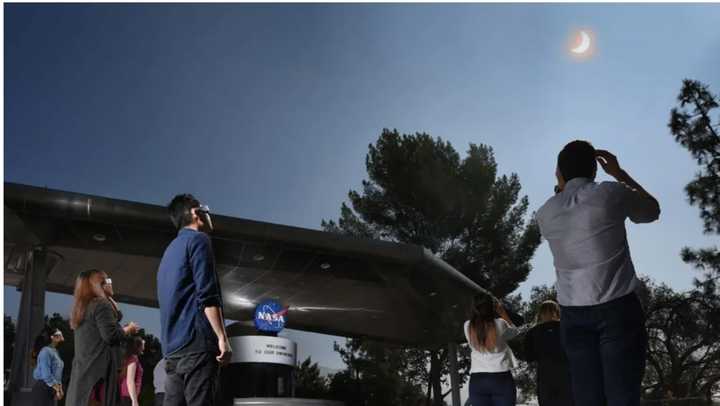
(454, 376)
(31, 319)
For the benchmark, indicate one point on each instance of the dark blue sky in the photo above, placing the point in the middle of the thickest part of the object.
(266, 111)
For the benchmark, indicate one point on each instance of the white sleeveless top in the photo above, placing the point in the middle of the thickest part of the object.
(501, 359)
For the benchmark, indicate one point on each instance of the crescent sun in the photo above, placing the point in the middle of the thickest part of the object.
(584, 44)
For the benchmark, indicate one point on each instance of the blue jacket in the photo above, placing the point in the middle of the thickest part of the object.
(49, 367)
(186, 284)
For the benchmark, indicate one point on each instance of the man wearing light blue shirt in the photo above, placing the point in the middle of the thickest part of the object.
(602, 323)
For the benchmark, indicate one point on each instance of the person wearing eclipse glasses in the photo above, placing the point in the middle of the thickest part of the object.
(191, 316)
(603, 323)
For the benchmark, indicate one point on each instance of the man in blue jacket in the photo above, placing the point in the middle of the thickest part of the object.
(191, 318)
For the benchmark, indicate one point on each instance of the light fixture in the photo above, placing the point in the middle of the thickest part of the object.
(99, 237)
(433, 294)
(258, 257)
(325, 266)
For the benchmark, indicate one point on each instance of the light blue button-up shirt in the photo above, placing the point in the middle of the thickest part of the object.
(49, 367)
(585, 228)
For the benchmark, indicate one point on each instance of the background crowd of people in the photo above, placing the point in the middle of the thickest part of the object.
(106, 367)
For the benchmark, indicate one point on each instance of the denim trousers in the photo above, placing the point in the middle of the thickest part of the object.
(606, 345)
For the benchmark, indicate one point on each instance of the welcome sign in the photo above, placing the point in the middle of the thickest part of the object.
(263, 349)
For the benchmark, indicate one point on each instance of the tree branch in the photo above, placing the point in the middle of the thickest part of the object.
(706, 117)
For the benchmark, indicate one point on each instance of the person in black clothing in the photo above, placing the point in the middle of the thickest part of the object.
(543, 345)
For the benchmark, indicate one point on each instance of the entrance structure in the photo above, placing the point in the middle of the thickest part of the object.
(332, 284)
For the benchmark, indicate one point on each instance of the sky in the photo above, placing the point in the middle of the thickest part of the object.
(266, 111)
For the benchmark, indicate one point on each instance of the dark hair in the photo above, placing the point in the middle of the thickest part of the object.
(42, 340)
(132, 347)
(577, 160)
(482, 331)
(179, 209)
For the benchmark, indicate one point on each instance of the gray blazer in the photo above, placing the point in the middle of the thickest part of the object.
(97, 344)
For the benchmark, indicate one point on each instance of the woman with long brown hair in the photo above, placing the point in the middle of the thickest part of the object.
(544, 346)
(98, 391)
(97, 335)
(487, 332)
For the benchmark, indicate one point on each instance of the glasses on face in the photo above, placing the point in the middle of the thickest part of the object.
(58, 334)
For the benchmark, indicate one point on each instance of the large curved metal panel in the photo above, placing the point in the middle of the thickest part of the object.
(333, 284)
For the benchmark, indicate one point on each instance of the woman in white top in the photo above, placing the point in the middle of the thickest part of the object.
(487, 332)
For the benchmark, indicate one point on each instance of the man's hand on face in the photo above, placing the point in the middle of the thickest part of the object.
(609, 163)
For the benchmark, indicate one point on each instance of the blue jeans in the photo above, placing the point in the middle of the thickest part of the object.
(492, 389)
(606, 346)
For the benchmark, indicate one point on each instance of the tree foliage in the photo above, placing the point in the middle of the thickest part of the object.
(308, 382)
(692, 125)
(683, 341)
(420, 191)
(376, 375)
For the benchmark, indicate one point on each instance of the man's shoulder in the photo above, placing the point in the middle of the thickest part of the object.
(610, 186)
(607, 191)
(184, 239)
(177, 241)
(199, 236)
(546, 207)
(191, 237)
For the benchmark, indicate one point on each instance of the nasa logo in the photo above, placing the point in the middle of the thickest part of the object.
(270, 316)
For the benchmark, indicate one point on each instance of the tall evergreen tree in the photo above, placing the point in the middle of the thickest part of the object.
(686, 324)
(692, 126)
(420, 191)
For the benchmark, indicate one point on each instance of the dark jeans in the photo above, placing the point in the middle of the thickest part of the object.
(492, 389)
(159, 399)
(191, 380)
(43, 395)
(606, 346)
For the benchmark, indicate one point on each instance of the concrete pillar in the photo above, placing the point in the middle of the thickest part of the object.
(31, 319)
(454, 375)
